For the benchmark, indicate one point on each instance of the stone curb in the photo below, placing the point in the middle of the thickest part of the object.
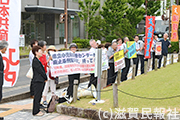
(96, 114)
(26, 95)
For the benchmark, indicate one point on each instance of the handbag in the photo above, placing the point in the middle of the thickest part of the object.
(30, 73)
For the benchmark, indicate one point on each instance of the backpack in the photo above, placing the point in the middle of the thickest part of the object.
(52, 104)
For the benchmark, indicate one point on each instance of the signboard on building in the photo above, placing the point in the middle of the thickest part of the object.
(21, 40)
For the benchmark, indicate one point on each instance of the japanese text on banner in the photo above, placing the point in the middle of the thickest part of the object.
(119, 61)
(131, 46)
(10, 11)
(67, 62)
(150, 26)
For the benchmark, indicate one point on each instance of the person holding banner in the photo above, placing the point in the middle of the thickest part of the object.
(165, 45)
(31, 56)
(93, 80)
(39, 79)
(154, 50)
(111, 71)
(125, 70)
(73, 47)
(3, 48)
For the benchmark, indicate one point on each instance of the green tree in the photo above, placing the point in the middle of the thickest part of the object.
(88, 10)
(135, 12)
(113, 12)
(97, 26)
(153, 7)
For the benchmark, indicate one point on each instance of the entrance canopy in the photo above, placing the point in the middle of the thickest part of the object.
(45, 9)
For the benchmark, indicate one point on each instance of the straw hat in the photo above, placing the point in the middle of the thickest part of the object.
(51, 47)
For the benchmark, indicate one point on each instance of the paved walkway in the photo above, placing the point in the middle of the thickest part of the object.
(22, 110)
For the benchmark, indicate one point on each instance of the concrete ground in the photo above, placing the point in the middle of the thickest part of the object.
(22, 110)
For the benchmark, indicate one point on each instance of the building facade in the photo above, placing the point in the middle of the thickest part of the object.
(40, 20)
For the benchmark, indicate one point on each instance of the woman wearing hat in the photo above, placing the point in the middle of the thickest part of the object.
(51, 82)
(73, 47)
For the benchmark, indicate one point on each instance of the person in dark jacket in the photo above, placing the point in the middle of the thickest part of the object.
(3, 48)
(39, 79)
(72, 77)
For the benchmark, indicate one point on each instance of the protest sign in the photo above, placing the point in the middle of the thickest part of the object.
(150, 26)
(119, 62)
(131, 46)
(67, 62)
(10, 15)
(105, 64)
(158, 48)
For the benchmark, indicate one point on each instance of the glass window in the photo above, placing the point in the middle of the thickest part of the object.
(75, 28)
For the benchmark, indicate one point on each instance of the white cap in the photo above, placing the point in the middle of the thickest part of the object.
(98, 42)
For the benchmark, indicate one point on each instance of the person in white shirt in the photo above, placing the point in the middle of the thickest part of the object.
(93, 80)
(156, 39)
(140, 55)
(127, 61)
(31, 56)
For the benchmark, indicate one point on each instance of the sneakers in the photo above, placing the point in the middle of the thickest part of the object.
(45, 103)
(42, 106)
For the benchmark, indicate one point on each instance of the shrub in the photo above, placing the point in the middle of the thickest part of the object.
(81, 43)
(174, 47)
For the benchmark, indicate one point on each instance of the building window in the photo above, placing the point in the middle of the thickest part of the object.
(75, 28)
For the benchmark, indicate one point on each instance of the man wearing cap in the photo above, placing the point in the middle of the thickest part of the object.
(73, 47)
(3, 48)
(93, 80)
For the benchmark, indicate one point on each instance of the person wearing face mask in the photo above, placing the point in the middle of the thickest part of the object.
(39, 79)
(3, 48)
(73, 47)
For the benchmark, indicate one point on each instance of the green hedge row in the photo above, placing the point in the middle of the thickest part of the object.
(81, 43)
(174, 47)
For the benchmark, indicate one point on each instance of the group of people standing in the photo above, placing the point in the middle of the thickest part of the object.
(120, 44)
(40, 58)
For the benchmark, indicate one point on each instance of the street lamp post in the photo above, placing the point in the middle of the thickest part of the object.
(65, 24)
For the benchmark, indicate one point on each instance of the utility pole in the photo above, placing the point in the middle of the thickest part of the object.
(65, 24)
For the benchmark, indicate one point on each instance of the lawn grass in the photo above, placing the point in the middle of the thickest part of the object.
(156, 84)
(24, 51)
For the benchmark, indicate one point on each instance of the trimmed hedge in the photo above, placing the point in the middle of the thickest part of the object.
(174, 47)
(81, 43)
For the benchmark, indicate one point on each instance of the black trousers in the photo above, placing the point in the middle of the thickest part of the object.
(111, 74)
(38, 89)
(160, 59)
(141, 59)
(31, 88)
(125, 70)
(153, 60)
(0, 93)
(71, 79)
(93, 80)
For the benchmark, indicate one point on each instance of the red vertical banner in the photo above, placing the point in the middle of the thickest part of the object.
(175, 22)
(150, 26)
